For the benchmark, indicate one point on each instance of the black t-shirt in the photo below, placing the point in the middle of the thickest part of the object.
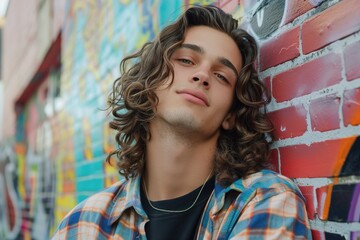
(182, 226)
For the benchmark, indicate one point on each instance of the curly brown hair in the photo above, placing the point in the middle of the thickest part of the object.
(241, 150)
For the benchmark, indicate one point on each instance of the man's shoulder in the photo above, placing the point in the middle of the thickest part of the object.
(100, 201)
(269, 183)
(95, 207)
(267, 179)
(272, 196)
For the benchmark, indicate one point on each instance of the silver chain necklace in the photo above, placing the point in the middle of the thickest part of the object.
(175, 211)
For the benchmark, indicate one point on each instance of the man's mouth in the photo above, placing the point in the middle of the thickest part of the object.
(194, 96)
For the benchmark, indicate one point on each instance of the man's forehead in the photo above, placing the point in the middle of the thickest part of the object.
(204, 39)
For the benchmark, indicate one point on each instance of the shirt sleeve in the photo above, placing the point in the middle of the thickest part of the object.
(280, 216)
(62, 230)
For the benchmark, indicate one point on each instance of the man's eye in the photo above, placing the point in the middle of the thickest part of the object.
(185, 61)
(221, 77)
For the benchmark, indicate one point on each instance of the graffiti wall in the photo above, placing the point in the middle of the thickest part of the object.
(308, 57)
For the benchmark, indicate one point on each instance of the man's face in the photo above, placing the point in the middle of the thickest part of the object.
(206, 67)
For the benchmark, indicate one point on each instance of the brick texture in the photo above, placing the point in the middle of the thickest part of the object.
(330, 25)
(267, 82)
(352, 60)
(274, 160)
(308, 193)
(304, 79)
(323, 196)
(296, 8)
(317, 235)
(351, 107)
(324, 113)
(289, 122)
(280, 49)
(322, 159)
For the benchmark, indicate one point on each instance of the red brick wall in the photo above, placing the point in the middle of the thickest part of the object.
(310, 60)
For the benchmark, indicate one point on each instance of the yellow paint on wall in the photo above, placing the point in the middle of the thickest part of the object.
(26, 235)
(111, 174)
(143, 38)
(88, 147)
(109, 135)
(201, 2)
(20, 152)
(110, 171)
(64, 203)
(239, 14)
(59, 176)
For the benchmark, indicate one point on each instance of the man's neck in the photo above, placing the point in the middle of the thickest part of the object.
(176, 165)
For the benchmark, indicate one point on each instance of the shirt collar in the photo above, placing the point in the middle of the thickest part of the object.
(127, 197)
(220, 192)
(240, 186)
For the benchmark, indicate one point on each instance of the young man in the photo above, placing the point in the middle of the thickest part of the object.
(193, 146)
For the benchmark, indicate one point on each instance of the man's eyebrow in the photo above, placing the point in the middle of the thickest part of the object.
(228, 64)
(224, 61)
(193, 47)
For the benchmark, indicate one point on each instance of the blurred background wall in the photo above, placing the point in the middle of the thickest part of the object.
(59, 59)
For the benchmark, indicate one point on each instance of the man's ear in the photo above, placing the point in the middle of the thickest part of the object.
(229, 121)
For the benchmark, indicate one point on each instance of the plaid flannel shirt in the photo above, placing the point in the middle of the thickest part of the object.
(264, 205)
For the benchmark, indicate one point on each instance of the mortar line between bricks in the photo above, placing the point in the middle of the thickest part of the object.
(295, 22)
(334, 227)
(337, 89)
(343, 82)
(301, 41)
(279, 160)
(308, 117)
(316, 10)
(314, 137)
(313, 182)
(320, 182)
(335, 46)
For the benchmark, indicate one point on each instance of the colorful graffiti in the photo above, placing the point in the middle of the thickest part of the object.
(62, 139)
(336, 158)
(38, 170)
(266, 16)
(10, 210)
(340, 202)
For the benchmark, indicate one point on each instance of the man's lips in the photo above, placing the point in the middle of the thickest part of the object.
(195, 96)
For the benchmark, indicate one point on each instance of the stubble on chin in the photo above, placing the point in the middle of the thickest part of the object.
(182, 120)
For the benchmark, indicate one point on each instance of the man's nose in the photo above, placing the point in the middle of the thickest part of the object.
(202, 77)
